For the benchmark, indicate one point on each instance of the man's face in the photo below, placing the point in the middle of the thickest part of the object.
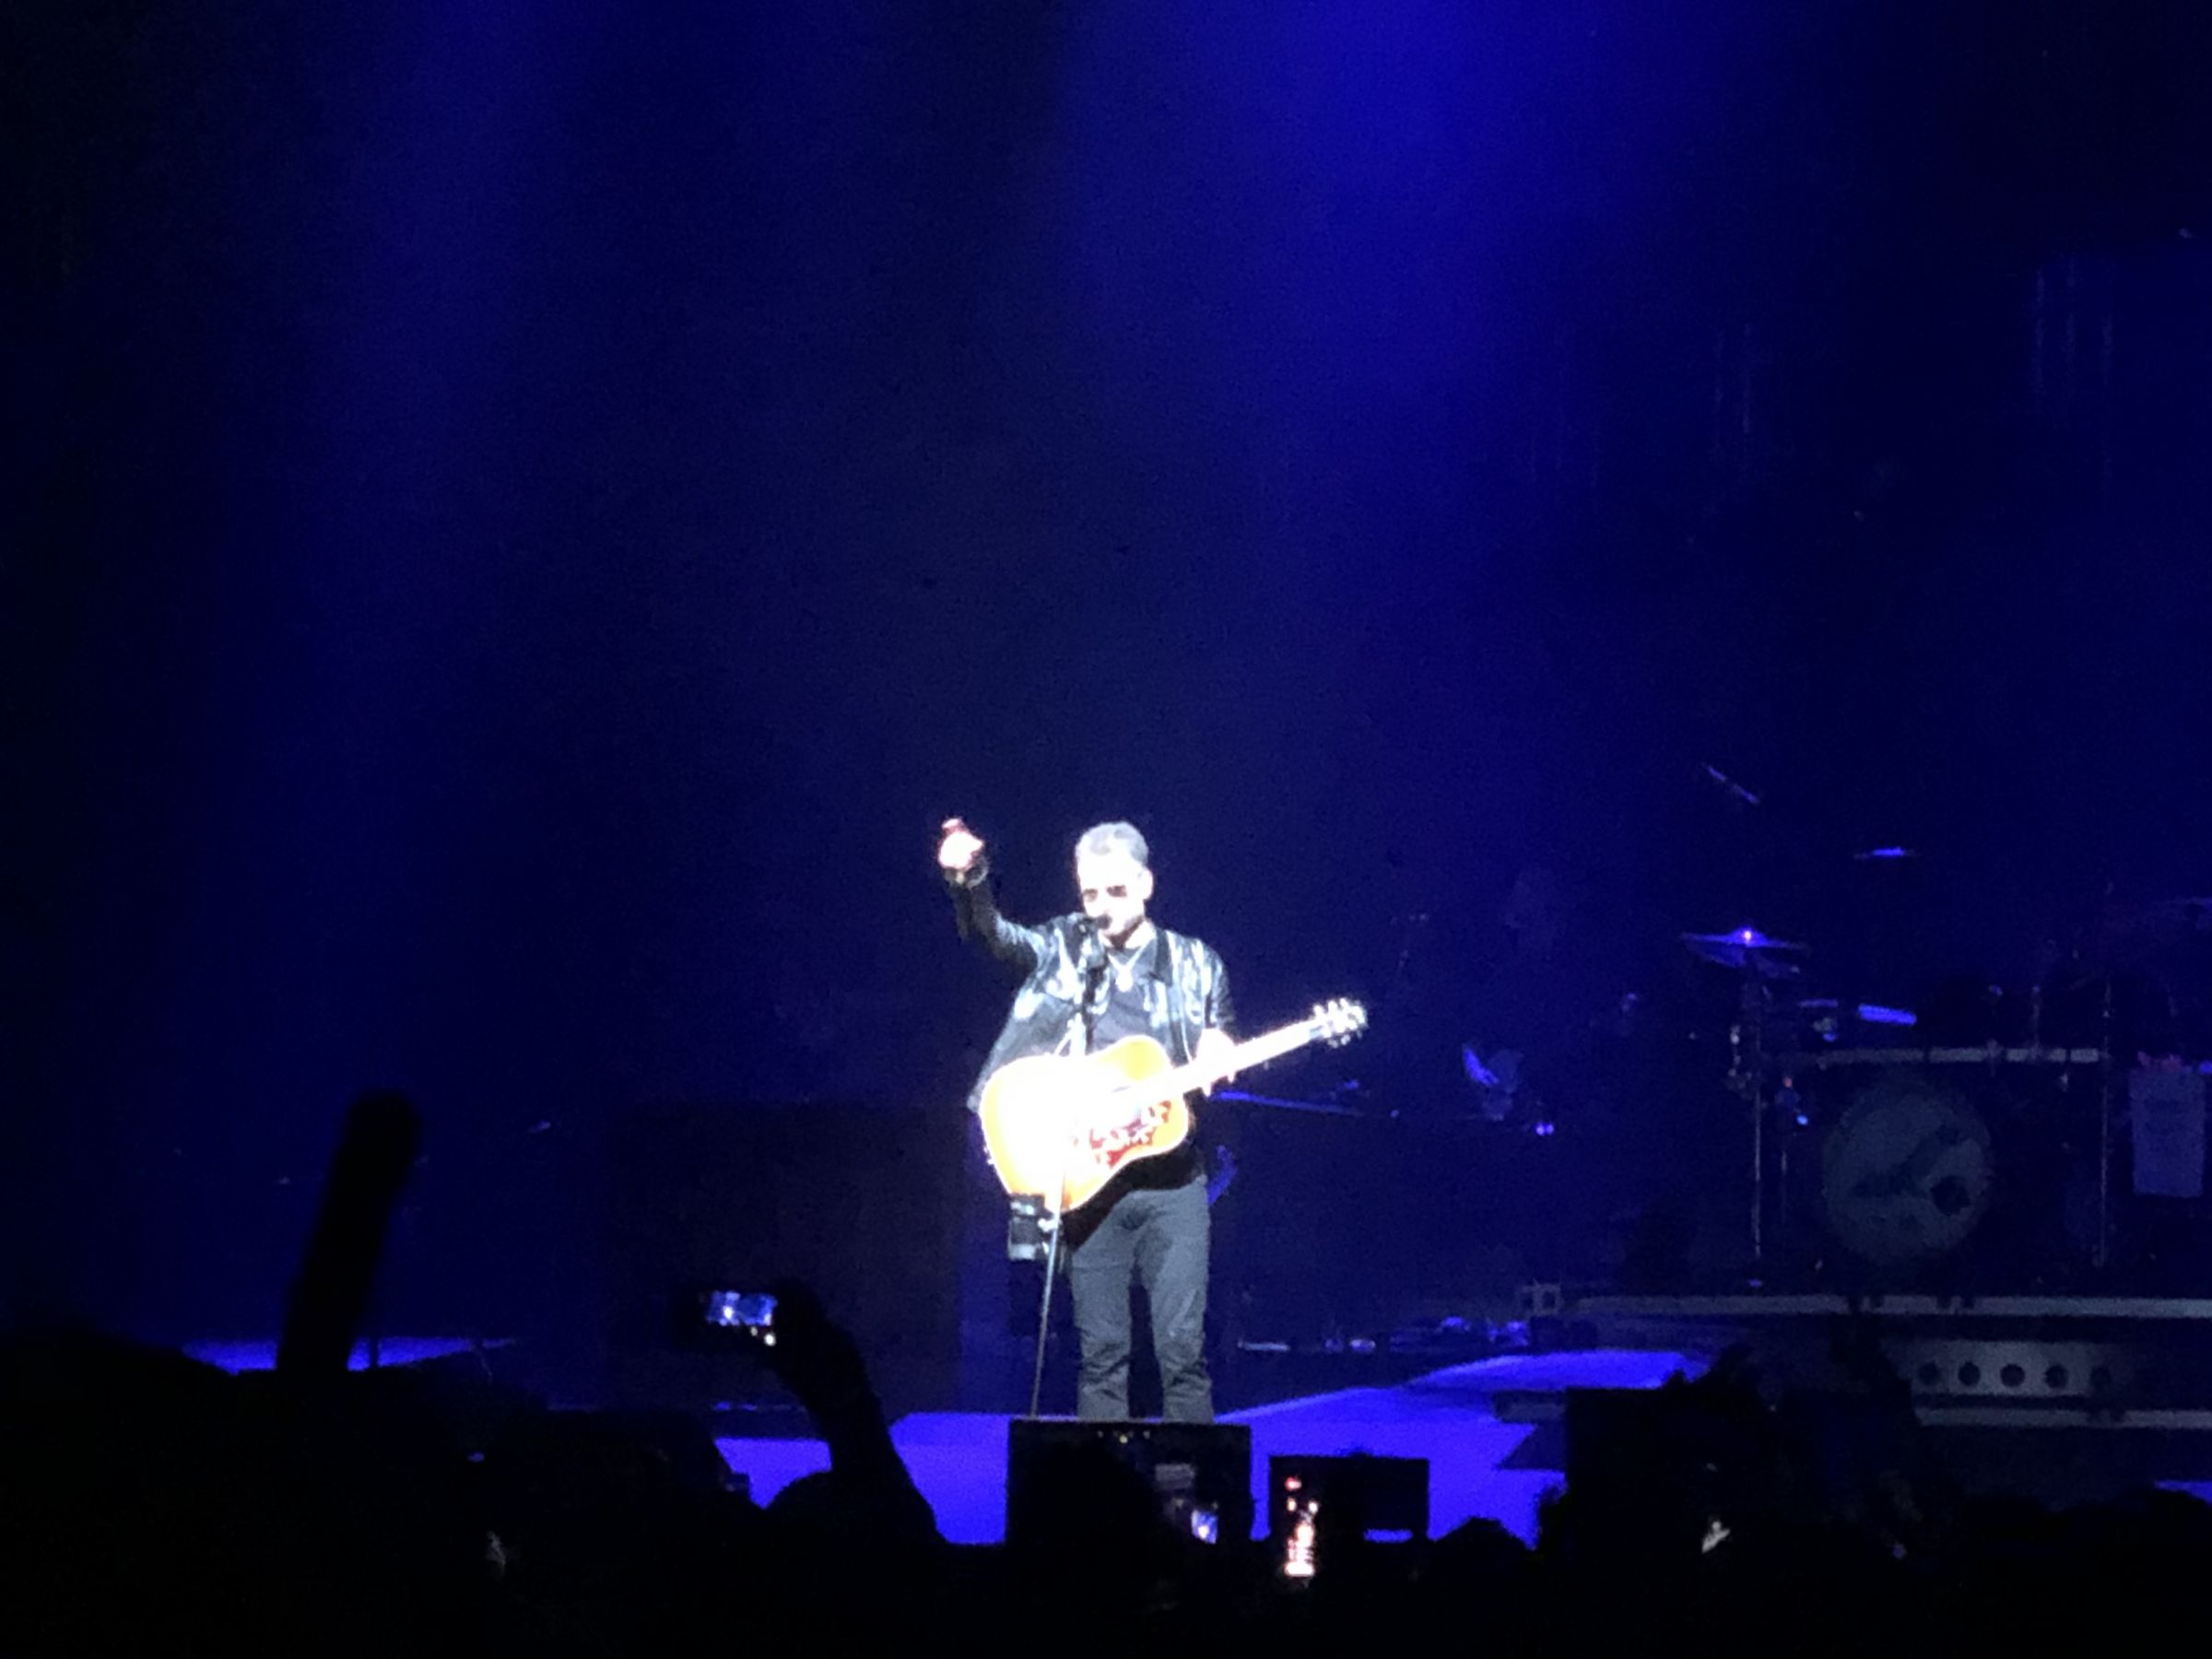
(1115, 887)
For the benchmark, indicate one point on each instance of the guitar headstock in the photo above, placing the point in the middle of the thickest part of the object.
(1339, 1020)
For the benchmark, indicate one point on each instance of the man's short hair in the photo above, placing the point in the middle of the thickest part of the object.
(1101, 839)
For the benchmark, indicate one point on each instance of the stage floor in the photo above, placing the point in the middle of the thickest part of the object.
(1478, 1464)
(958, 1459)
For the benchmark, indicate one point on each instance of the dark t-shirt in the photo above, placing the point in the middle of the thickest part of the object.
(1124, 1013)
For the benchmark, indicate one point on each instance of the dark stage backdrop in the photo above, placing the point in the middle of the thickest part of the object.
(521, 520)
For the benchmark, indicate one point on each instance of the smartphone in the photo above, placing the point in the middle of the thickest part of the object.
(1302, 1521)
(752, 1312)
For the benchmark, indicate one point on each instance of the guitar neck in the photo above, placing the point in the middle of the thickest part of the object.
(1204, 1074)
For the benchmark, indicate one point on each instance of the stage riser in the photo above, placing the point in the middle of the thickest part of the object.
(2105, 1355)
(2028, 1371)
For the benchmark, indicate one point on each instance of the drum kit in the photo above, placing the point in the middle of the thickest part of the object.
(1971, 1145)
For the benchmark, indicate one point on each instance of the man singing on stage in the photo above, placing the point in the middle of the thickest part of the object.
(1091, 980)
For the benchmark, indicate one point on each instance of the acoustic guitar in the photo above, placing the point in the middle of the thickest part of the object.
(1072, 1122)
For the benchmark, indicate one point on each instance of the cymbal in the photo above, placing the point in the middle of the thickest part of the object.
(1746, 948)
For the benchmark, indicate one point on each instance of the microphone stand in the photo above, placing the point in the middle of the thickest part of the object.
(1094, 980)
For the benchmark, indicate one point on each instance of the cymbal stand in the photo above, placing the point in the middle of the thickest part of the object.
(1747, 1077)
(2099, 1255)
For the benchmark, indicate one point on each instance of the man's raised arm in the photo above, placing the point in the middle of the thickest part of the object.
(968, 877)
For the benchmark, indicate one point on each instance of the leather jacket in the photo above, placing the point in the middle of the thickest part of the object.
(1186, 987)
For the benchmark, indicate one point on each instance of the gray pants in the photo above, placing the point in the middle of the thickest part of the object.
(1157, 1237)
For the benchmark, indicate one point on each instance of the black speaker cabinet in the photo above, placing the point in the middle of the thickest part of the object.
(1372, 1494)
(1199, 1473)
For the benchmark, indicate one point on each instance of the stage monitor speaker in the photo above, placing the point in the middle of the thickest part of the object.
(861, 1202)
(1200, 1473)
(1370, 1494)
(1623, 1437)
(1663, 1466)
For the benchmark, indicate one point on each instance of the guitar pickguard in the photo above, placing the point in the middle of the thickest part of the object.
(1111, 1144)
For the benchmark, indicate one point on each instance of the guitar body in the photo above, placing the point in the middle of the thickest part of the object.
(1077, 1121)
(1070, 1122)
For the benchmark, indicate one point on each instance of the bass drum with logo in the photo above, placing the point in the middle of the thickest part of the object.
(1907, 1173)
(1950, 1180)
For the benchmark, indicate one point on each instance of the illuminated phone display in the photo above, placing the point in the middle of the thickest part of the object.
(754, 1311)
(1302, 1515)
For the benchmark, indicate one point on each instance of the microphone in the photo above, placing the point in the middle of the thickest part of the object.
(1090, 961)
